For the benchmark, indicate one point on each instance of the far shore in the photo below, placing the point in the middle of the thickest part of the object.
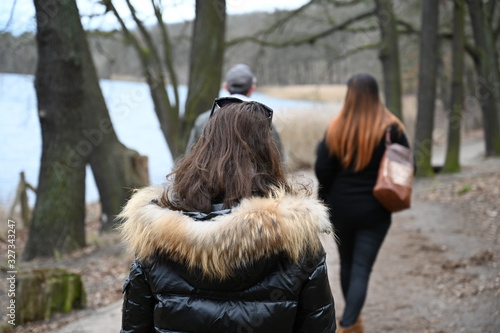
(305, 92)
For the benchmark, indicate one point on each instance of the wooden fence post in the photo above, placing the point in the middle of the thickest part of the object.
(22, 198)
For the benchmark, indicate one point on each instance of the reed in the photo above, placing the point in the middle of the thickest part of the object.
(302, 128)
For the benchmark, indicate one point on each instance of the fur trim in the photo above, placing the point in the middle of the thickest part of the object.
(258, 227)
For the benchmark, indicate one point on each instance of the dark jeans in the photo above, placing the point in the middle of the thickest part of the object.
(358, 248)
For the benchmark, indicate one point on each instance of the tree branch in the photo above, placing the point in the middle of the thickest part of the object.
(167, 50)
(358, 49)
(11, 16)
(145, 34)
(340, 3)
(305, 40)
(105, 34)
(495, 31)
(489, 11)
(362, 29)
(285, 19)
(128, 35)
(410, 29)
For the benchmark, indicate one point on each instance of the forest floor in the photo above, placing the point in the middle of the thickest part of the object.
(437, 272)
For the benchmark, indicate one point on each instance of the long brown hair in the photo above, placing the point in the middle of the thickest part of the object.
(353, 135)
(235, 157)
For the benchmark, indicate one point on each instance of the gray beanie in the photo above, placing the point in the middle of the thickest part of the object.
(239, 79)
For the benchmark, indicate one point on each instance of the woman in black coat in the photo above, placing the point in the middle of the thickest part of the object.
(229, 245)
(347, 165)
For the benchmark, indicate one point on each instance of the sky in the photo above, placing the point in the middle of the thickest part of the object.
(17, 16)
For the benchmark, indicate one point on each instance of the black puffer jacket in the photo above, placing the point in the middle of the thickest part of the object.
(258, 268)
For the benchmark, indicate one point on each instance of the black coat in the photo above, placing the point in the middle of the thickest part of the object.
(258, 268)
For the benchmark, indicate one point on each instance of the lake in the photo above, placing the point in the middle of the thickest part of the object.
(131, 111)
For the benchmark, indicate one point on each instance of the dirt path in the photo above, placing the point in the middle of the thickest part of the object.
(437, 272)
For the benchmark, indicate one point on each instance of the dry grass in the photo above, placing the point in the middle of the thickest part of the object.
(322, 93)
(301, 129)
(4, 217)
(410, 115)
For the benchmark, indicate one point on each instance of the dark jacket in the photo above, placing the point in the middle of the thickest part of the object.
(257, 268)
(349, 193)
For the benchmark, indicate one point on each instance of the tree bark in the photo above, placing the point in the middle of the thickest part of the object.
(426, 96)
(115, 167)
(389, 56)
(153, 69)
(207, 53)
(452, 161)
(58, 217)
(488, 77)
(76, 129)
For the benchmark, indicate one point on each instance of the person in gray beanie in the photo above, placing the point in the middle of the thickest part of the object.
(240, 82)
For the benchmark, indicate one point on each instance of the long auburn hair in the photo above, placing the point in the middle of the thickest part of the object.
(353, 135)
(235, 157)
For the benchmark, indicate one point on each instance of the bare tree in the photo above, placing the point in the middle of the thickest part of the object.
(426, 97)
(452, 161)
(155, 66)
(488, 77)
(389, 56)
(157, 61)
(388, 44)
(207, 48)
(76, 129)
(59, 213)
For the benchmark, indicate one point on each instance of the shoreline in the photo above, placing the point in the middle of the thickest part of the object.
(307, 92)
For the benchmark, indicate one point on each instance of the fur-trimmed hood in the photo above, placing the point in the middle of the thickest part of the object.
(257, 227)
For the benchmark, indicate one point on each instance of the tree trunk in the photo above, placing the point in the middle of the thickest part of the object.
(452, 161)
(116, 168)
(207, 53)
(76, 129)
(426, 97)
(148, 52)
(389, 56)
(168, 115)
(491, 11)
(58, 217)
(488, 77)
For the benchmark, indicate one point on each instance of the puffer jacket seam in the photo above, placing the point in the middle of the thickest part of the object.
(223, 298)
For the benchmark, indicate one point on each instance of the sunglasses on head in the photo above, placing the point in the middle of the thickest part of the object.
(224, 101)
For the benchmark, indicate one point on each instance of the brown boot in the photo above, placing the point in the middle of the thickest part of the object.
(357, 327)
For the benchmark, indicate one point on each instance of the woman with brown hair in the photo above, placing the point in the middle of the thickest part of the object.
(347, 165)
(229, 245)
